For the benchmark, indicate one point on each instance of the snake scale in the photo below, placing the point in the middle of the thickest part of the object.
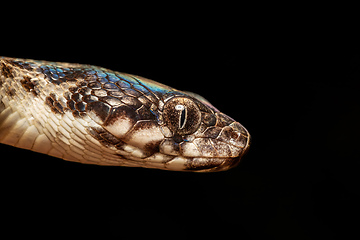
(93, 115)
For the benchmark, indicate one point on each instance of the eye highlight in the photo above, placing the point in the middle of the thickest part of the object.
(182, 115)
(179, 107)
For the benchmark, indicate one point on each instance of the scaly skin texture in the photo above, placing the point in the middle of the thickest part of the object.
(93, 115)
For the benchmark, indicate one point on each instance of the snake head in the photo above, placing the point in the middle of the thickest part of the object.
(93, 115)
(180, 131)
(201, 138)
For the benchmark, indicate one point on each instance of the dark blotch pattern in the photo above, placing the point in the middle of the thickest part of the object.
(6, 70)
(28, 85)
(102, 92)
(54, 104)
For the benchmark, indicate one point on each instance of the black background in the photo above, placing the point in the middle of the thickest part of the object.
(294, 87)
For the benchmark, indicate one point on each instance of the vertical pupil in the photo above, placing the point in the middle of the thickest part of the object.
(182, 119)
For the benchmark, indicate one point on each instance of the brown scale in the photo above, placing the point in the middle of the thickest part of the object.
(54, 104)
(6, 71)
(28, 85)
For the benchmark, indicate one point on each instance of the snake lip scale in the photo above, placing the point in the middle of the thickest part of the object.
(93, 115)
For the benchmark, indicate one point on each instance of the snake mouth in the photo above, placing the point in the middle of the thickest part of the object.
(217, 164)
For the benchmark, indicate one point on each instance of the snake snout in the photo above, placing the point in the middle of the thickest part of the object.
(220, 148)
(242, 142)
(237, 138)
(243, 139)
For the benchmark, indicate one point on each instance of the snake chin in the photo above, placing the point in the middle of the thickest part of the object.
(214, 165)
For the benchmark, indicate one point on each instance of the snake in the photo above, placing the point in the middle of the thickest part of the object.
(93, 115)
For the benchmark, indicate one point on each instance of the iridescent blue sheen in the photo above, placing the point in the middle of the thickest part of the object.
(90, 72)
(113, 78)
(155, 87)
(127, 78)
(58, 73)
(100, 74)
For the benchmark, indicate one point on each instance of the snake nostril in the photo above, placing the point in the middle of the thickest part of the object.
(228, 134)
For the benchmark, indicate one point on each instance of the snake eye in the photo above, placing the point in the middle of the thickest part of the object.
(182, 115)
